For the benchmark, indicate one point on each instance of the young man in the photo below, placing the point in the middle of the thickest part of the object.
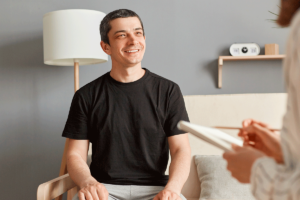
(130, 116)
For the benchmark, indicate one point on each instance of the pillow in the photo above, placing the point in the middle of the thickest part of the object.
(216, 181)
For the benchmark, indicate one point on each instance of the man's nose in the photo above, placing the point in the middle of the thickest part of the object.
(133, 39)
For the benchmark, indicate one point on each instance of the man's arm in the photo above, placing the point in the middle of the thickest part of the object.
(80, 172)
(76, 162)
(179, 168)
(180, 151)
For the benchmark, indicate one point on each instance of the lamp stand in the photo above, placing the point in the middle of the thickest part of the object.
(63, 166)
(76, 75)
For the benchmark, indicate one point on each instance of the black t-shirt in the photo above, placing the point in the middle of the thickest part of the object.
(128, 125)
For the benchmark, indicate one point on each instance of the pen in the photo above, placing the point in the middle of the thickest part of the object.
(237, 128)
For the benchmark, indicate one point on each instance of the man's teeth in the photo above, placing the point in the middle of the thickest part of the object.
(133, 51)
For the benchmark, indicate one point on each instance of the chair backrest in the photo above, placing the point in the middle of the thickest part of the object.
(227, 110)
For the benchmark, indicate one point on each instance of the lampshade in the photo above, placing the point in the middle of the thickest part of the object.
(72, 35)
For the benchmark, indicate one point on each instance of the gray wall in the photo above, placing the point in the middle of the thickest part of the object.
(184, 40)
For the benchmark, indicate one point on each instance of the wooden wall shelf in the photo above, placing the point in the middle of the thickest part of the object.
(233, 58)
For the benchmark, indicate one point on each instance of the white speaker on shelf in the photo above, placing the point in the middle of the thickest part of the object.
(244, 49)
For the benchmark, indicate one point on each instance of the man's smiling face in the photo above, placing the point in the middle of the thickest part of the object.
(127, 41)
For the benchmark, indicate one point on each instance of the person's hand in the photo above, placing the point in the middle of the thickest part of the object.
(167, 195)
(240, 161)
(258, 135)
(93, 191)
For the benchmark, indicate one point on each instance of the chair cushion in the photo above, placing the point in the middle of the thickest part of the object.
(216, 182)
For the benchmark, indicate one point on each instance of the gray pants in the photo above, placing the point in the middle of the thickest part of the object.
(131, 192)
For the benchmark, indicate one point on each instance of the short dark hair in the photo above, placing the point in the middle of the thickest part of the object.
(105, 23)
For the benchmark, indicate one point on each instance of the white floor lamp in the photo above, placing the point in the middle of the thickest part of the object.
(71, 37)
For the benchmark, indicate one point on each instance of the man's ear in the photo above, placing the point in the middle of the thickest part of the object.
(105, 47)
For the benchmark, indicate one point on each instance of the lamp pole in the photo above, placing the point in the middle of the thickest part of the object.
(76, 75)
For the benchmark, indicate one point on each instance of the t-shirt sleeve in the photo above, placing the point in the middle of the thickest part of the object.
(77, 123)
(176, 112)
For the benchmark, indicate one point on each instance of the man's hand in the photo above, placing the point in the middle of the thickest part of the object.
(240, 162)
(259, 136)
(167, 195)
(93, 191)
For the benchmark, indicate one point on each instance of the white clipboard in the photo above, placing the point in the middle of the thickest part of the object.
(213, 136)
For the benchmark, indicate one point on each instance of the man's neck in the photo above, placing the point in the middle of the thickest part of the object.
(127, 74)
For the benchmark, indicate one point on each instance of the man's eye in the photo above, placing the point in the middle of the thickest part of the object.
(122, 35)
(139, 32)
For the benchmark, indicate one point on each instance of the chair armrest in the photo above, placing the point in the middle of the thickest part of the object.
(55, 187)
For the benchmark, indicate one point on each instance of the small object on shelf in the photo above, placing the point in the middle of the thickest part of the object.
(233, 58)
(244, 49)
(271, 49)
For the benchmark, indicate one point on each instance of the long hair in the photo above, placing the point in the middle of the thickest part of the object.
(287, 10)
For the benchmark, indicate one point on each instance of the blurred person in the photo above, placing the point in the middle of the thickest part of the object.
(268, 160)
